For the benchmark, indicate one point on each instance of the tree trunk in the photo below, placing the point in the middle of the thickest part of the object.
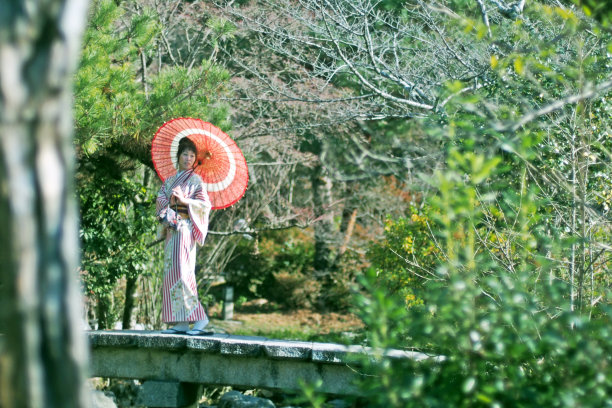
(324, 232)
(104, 306)
(44, 350)
(349, 219)
(324, 227)
(128, 308)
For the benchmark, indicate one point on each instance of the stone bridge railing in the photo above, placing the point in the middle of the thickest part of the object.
(223, 359)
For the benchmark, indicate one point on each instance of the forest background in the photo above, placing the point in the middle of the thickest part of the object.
(440, 168)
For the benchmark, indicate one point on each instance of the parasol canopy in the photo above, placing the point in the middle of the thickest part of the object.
(219, 161)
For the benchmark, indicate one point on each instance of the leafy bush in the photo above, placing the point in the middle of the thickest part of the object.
(117, 226)
(504, 350)
(280, 271)
(405, 260)
(496, 336)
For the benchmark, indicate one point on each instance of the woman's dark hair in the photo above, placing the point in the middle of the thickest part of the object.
(186, 144)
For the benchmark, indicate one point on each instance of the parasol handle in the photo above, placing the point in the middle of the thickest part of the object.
(151, 244)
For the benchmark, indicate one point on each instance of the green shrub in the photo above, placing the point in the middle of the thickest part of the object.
(280, 271)
(405, 260)
(497, 335)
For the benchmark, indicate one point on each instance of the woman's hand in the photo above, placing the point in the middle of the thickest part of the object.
(178, 195)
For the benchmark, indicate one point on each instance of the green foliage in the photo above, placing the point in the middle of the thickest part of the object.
(108, 97)
(601, 10)
(190, 93)
(280, 269)
(117, 225)
(506, 339)
(405, 260)
(510, 317)
(111, 103)
(311, 394)
(223, 29)
(499, 349)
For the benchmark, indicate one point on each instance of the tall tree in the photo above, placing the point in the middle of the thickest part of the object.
(44, 348)
(526, 69)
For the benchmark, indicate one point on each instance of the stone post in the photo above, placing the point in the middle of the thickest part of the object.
(228, 303)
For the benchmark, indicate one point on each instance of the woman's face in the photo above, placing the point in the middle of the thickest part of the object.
(186, 159)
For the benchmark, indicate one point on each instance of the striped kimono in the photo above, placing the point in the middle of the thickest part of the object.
(180, 293)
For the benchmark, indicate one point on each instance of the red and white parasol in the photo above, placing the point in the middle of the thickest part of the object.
(219, 162)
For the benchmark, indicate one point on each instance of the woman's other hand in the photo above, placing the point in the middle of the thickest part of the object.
(178, 195)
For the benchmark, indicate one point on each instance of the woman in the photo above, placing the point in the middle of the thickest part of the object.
(184, 192)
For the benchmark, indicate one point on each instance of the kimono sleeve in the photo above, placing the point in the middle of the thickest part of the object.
(162, 201)
(199, 211)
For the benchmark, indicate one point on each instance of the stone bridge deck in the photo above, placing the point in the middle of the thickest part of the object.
(223, 359)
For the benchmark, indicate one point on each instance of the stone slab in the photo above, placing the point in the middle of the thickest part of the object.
(169, 394)
(282, 349)
(333, 353)
(208, 344)
(243, 345)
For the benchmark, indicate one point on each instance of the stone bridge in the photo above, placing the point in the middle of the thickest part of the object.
(222, 359)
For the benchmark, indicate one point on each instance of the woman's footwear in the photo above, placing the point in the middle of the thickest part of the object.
(173, 331)
(178, 328)
(198, 332)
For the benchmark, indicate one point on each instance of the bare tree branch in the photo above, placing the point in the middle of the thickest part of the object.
(588, 92)
(485, 17)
